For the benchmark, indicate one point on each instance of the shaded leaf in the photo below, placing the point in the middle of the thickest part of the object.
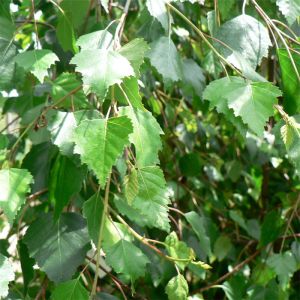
(58, 248)
(37, 62)
(70, 290)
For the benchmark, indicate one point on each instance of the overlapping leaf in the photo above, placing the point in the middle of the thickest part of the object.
(100, 69)
(127, 259)
(252, 101)
(14, 185)
(58, 248)
(177, 288)
(37, 62)
(70, 290)
(145, 136)
(101, 142)
(6, 275)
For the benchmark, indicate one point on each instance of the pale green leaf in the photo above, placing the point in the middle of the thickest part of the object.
(198, 224)
(222, 247)
(165, 59)
(58, 247)
(131, 186)
(290, 134)
(63, 86)
(252, 101)
(14, 185)
(104, 3)
(152, 198)
(290, 9)
(193, 78)
(70, 290)
(145, 136)
(101, 142)
(135, 51)
(6, 275)
(284, 264)
(127, 259)
(61, 126)
(177, 288)
(37, 62)
(101, 69)
(158, 10)
(179, 250)
(7, 64)
(101, 39)
(245, 36)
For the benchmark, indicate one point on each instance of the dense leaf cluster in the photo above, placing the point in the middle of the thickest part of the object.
(149, 149)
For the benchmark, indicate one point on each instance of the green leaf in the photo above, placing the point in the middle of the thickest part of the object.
(127, 259)
(193, 78)
(27, 264)
(7, 29)
(284, 264)
(290, 133)
(165, 59)
(62, 86)
(128, 92)
(104, 3)
(246, 37)
(158, 10)
(65, 182)
(101, 69)
(152, 199)
(290, 82)
(222, 247)
(6, 275)
(198, 224)
(58, 248)
(76, 13)
(8, 52)
(92, 211)
(179, 250)
(61, 126)
(145, 136)
(70, 290)
(37, 62)
(65, 33)
(135, 51)
(113, 231)
(101, 39)
(253, 102)
(14, 185)
(177, 288)
(290, 9)
(271, 228)
(101, 142)
(131, 186)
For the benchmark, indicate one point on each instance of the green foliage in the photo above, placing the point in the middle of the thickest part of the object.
(58, 247)
(177, 288)
(14, 185)
(7, 275)
(149, 149)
